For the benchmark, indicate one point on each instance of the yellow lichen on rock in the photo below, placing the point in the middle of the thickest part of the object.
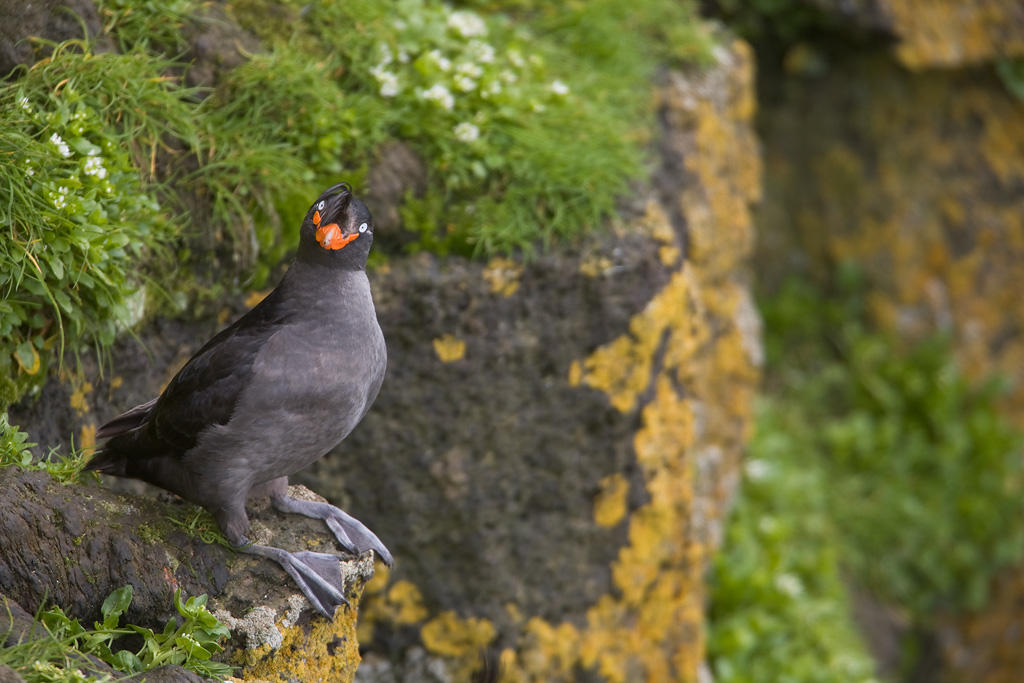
(694, 348)
(926, 198)
(449, 348)
(610, 503)
(503, 275)
(400, 603)
(79, 398)
(461, 639)
(949, 33)
(322, 651)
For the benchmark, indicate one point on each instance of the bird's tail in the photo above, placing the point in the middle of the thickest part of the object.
(108, 461)
(126, 421)
(113, 457)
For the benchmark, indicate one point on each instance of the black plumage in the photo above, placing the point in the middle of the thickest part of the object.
(270, 394)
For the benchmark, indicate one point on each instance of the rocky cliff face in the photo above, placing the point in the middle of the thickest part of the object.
(555, 444)
(918, 175)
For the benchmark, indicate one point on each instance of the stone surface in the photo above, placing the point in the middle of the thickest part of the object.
(72, 545)
(51, 20)
(942, 33)
(551, 457)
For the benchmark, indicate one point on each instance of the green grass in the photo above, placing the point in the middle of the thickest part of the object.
(15, 452)
(82, 220)
(198, 523)
(530, 129)
(61, 655)
(871, 456)
(278, 130)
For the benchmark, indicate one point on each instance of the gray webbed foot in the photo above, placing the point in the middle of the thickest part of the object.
(317, 575)
(352, 534)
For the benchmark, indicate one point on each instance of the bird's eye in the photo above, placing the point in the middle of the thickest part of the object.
(363, 227)
(320, 206)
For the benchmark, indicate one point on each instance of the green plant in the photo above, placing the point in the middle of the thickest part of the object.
(779, 610)
(61, 654)
(149, 24)
(14, 445)
(198, 523)
(1011, 72)
(15, 452)
(80, 136)
(927, 474)
(878, 457)
(530, 131)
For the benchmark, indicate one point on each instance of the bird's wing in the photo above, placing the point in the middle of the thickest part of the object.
(206, 391)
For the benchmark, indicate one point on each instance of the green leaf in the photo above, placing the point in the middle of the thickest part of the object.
(27, 358)
(127, 661)
(192, 647)
(115, 605)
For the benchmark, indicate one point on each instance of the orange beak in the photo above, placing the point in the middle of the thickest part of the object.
(330, 237)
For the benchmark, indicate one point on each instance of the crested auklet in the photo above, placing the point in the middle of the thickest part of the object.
(270, 394)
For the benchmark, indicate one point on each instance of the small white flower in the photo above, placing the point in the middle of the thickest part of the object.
(385, 55)
(399, 24)
(508, 76)
(442, 62)
(469, 69)
(30, 172)
(481, 51)
(757, 469)
(62, 146)
(60, 199)
(466, 132)
(465, 83)
(439, 94)
(23, 103)
(403, 56)
(789, 584)
(537, 106)
(94, 167)
(559, 88)
(493, 88)
(388, 83)
(515, 57)
(467, 24)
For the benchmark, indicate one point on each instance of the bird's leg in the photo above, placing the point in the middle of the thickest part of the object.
(317, 575)
(350, 532)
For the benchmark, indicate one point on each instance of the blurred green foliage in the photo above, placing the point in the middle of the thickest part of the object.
(779, 609)
(1011, 72)
(879, 454)
(927, 475)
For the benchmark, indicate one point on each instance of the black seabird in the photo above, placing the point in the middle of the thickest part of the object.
(269, 395)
